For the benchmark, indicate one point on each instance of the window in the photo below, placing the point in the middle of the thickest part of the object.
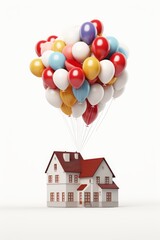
(80, 198)
(108, 196)
(55, 167)
(63, 196)
(97, 179)
(87, 197)
(52, 197)
(96, 196)
(70, 178)
(56, 178)
(57, 196)
(107, 180)
(76, 178)
(50, 179)
(70, 196)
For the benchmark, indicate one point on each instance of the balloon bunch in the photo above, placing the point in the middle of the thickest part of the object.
(82, 70)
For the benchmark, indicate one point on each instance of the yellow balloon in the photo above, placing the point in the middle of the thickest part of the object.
(65, 109)
(91, 67)
(37, 67)
(58, 45)
(67, 96)
(113, 80)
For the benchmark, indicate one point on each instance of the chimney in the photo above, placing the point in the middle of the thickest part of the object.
(76, 155)
(66, 157)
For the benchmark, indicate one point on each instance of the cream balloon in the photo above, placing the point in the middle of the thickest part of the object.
(78, 109)
(45, 57)
(96, 94)
(108, 94)
(118, 93)
(60, 78)
(107, 71)
(101, 107)
(121, 81)
(71, 35)
(80, 51)
(53, 97)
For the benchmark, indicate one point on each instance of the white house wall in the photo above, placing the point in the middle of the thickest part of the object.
(102, 172)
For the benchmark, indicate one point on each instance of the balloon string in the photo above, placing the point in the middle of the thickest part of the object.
(104, 115)
(69, 128)
(74, 131)
(98, 123)
(87, 127)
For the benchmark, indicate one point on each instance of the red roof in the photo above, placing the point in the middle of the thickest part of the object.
(86, 168)
(81, 187)
(72, 166)
(108, 186)
(89, 167)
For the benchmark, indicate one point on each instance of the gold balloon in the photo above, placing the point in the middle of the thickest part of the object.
(113, 80)
(37, 67)
(91, 67)
(67, 96)
(65, 109)
(58, 45)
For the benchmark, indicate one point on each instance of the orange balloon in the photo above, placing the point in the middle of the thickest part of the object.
(58, 45)
(113, 80)
(91, 67)
(65, 109)
(37, 67)
(67, 96)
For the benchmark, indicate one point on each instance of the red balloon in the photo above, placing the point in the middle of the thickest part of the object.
(38, 47)
(47, 78)
(91, 82)
(90, 114)
(119, 61)
(76, 77)
(71, 63)
(98, 24)
(51, 38)
(67, 51)
(45, 86)
(100, 47)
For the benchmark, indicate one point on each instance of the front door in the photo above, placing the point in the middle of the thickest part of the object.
(87, 197)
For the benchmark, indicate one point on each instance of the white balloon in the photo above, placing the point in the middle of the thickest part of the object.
(108, 94)
(60, 78)
(80, 51)
(101, 107)
(71, 35)
(53, 97)
(78, 109)
(107, 71)
(96, 94)
(118, 93)
(121, 81)
(45, 57)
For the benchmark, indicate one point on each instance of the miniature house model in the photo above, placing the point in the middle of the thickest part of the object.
(75, 182)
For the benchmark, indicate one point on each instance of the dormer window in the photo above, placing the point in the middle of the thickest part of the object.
(55, 167)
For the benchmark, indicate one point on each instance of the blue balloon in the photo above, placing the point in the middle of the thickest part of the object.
(123, 51)
(82, 93)
(88, 32)
(56, 60)
(113, 42)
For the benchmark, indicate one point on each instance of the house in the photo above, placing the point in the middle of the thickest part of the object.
(75, 182)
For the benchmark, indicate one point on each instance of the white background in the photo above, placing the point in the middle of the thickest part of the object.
(31, 129)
